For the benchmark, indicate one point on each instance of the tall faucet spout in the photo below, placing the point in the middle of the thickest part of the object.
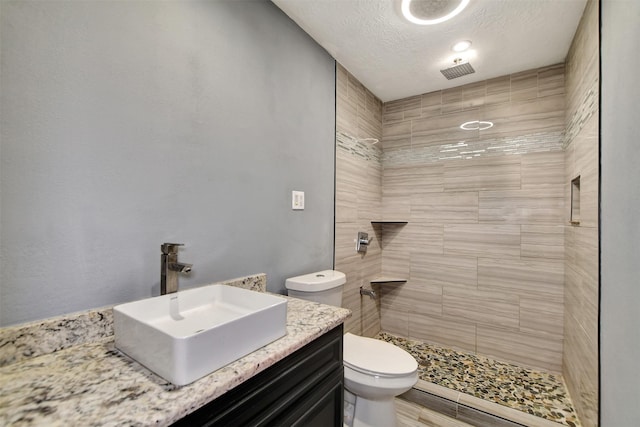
(170, 267)
(180, 267)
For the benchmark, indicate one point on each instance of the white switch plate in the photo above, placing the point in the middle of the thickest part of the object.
(297, 200)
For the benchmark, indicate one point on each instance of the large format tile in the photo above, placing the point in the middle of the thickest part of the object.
(445, 129)
(412, 297)
(542, 241)
(524, 85)
(543, 171)
(551, 80)
(481, 307)
(538, 351)
(498, 241)
(534, 278)
(521, 206)
(542, 316)
(490, 173)
(522, 117)
(448, 207)
(445, 332)
(407, 180)
(397, 135)
(445, 270)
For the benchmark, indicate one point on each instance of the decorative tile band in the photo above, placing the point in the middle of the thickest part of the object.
(463, 150)
(588, 107)
(358, 147)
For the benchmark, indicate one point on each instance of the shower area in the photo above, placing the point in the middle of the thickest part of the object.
(481, 206)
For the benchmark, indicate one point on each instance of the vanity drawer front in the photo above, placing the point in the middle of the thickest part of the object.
(307, 384)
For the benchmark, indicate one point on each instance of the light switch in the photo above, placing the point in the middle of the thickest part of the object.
(297, 200)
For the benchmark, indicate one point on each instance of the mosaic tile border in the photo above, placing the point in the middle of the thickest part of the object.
(588, 107)
(358, 147)
(465, 150)
(537, 393)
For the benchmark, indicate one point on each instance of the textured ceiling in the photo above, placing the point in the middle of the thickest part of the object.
(395, 59)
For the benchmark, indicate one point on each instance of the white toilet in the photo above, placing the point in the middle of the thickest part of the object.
(375, 372)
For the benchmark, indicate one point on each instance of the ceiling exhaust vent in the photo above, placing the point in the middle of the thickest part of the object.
(458, 70)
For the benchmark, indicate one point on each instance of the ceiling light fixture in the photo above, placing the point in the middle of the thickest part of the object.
(461, 46)
(476, 125)
(429, 9)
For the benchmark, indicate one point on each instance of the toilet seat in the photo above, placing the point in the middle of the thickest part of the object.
(377, 358)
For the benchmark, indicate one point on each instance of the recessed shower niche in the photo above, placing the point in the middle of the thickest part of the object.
(575, 201)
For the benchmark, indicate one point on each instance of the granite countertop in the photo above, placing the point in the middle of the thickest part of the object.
(66, 370)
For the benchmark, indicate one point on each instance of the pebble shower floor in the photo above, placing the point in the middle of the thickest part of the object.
(534, 392)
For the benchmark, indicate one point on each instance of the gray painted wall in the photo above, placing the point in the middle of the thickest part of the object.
(128, 124)
(620, 219)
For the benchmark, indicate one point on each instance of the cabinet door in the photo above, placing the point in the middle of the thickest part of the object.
(322, 407)
(300, 386)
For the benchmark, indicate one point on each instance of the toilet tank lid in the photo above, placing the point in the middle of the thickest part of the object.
(315, 282)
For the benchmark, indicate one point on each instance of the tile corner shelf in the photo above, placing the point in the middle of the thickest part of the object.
(383, 279)
(389, 222)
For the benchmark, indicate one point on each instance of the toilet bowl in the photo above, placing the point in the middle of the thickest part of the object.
(375, 372)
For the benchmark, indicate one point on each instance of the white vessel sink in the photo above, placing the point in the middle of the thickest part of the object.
(186, 335)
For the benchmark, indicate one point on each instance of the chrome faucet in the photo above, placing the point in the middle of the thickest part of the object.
(370, 292)
(170, 267)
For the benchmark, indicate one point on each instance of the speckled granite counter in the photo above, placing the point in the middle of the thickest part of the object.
(66, 370)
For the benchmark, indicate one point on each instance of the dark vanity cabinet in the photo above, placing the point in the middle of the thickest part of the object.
(304, 389)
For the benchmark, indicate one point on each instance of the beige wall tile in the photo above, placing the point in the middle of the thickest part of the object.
(358, 200)
(491, 173)
(394, 321)
(533, 278)
(524, 85)
(444, 270)
(581, 372)
(396, 208)
(525, 117)
(414, 296)
(542, 241)
(452, 100)
(521, 206)
(500, 241)
(432, 104)
(447, 333)
(445, 129)
(473, 95)
(551, 80)
(520, 347)
(449, 207)
(397, 135)
(412, 179)
(370, 316)
(425, 239)
(346, 115)
(498, 90)
(346, 205)
(396, 263)
(540, 316)
(544, 171)
(581, 242)
(481, 307)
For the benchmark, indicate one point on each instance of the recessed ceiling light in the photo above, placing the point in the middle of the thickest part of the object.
(461, 46)
(476, 125)
(429, 12)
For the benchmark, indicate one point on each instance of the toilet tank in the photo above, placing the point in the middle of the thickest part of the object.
(324, 287)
